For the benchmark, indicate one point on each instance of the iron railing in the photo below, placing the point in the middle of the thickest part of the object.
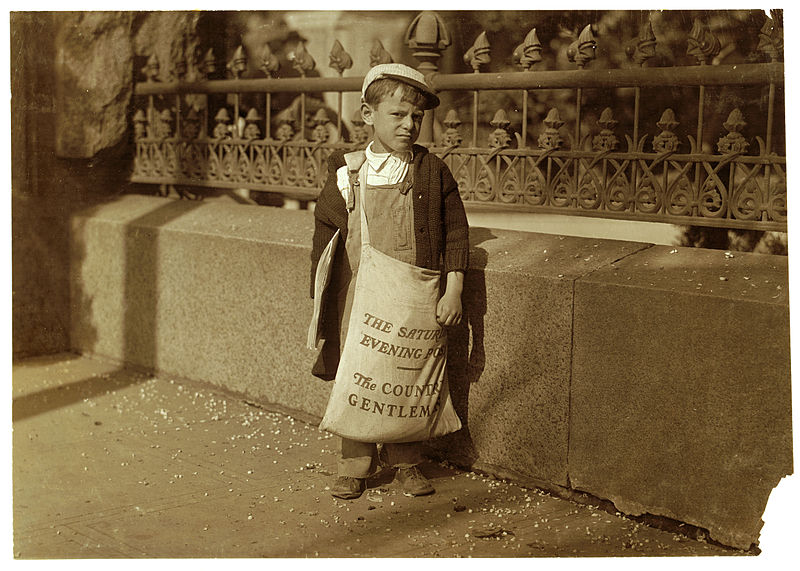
(583, 170)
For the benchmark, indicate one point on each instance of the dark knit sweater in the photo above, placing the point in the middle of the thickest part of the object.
(440, 226)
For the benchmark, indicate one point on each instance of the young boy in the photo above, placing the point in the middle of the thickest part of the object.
(415, 215)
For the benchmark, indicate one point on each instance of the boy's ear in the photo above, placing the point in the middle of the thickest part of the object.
(366, 113)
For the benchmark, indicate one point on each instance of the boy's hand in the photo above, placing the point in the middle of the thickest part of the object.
(449, 309)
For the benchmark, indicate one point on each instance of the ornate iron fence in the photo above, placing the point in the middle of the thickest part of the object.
(582, 170)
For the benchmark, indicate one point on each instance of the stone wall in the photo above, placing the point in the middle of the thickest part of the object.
(680, 389)
(71, 88)
(657, 378)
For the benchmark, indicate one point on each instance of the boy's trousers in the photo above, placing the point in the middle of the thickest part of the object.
(360, 459)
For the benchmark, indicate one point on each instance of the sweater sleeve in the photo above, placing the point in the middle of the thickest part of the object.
(456, 228)
(328, 215)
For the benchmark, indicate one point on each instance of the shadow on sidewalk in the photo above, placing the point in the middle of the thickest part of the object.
(53, 398)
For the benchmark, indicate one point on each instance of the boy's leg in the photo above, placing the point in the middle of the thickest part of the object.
(405, 456)
(402, 454)
(357, 461)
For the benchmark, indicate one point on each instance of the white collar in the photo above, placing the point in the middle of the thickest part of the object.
(378, 160)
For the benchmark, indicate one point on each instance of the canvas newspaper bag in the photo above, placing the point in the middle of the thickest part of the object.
(391, 384)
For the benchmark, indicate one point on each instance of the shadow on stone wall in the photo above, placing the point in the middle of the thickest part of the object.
(42, 208)
(140, 305)
(141, 282)
(466, 359)
(137, 330)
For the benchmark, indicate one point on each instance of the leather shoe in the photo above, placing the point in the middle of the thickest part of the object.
(413, 482)
(348, 488)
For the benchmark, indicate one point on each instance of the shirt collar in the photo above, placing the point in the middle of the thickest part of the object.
(379, 160)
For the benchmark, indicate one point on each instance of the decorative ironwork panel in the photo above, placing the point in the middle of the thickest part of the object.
(637, 186)
(558, 163)
(294, 168)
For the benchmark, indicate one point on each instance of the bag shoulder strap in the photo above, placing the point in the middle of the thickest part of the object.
(354, 161)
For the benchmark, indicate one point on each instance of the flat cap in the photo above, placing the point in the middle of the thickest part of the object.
(404, 73)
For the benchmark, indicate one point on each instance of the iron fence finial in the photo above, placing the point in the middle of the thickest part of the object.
(643, 47)
(427, 36)
(302, 60)
(452, 137)
(209, 63)
(667, 140)
(529, 52)
(340, 60)
(379, 55)
(550, 138)
(734, 141)
(478, 54)
(500, 138)
(582, 50)
(703, 44)
(606, 140)
(770, 39)
(238, 63)
(270, 64)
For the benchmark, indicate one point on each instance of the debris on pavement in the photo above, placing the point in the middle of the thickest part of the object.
(151, 467)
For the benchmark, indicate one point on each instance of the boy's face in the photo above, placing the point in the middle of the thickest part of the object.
(396, 123)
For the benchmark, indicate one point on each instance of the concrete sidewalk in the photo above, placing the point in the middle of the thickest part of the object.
(110, 463)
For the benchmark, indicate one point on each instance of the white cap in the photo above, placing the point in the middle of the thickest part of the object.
(403, 73)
